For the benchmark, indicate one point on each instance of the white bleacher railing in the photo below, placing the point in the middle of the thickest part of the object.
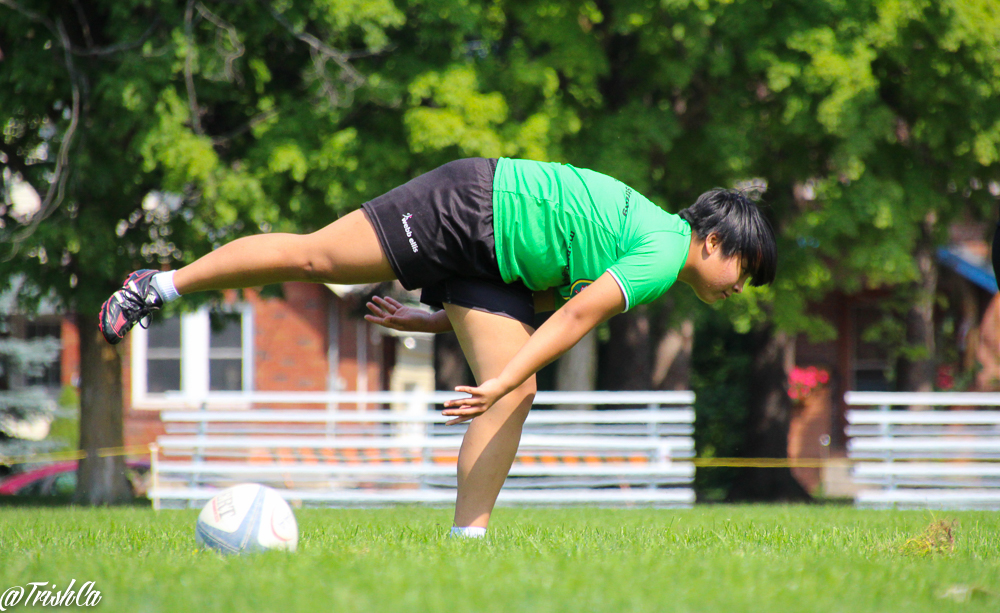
(405, 454)
(925, 458)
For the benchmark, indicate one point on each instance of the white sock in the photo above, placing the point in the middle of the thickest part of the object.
(164, 282)
(473, 532)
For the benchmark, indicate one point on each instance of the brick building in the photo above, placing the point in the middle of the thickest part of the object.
(313, 339)
(966, 326)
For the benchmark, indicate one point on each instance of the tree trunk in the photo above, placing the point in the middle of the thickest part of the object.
(672, 362)
(576, 370)
(916, 373)
(100, 480)
(627, 360)
(769, 415)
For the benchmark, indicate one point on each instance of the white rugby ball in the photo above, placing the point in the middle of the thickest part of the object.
(247, 518)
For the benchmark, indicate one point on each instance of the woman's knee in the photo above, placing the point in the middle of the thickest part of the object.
(525, 394)
(529, 388)
(346, 251)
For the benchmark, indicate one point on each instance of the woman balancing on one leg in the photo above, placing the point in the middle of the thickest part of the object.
(480, 236)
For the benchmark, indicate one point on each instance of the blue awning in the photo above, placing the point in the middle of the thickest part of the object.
(970, 267)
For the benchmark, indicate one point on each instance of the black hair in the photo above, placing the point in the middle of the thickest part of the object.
(741, 227)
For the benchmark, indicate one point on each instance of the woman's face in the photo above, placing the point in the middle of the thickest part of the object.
(718, 277)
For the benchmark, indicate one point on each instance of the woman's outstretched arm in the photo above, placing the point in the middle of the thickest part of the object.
(597, 303)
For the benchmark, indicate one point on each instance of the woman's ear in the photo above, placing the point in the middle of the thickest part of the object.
(713, 243)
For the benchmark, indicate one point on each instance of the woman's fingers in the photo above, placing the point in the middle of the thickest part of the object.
(463, 402)
(385, 321)
(389, 307)
(456, 402)
(464, 409)
(461, 415)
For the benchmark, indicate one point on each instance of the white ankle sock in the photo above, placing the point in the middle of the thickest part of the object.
(164, 282)
(474, 532)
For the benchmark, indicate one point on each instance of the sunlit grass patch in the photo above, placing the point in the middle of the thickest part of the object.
(712, 558)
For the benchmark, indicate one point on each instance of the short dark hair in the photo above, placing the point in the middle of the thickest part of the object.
(741, 227)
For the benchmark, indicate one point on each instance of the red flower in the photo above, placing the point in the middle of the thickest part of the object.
(945, 379)
(802, 381)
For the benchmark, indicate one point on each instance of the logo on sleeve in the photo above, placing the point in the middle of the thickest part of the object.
(409, 232)
(569, 257)
(578, 286)
(628, 196)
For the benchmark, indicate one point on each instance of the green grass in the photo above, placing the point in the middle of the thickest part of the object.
(714, 558)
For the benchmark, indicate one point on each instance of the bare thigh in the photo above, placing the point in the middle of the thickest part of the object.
(348, 251)
(489, 341)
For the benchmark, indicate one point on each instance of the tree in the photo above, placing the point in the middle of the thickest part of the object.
(878, 128)
(21, 403)
(871, 124)
(157, 130)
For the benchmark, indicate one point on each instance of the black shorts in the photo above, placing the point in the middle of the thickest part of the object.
(437, 233)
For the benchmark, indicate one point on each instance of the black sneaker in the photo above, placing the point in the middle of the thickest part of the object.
(135, 300)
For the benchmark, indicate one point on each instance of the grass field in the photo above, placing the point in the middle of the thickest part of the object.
(713, 558)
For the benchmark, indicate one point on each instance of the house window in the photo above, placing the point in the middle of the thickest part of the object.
(871, 358)
(163, 355)
(33, 357)
(193, 354)
(49, 374)
(225, 352)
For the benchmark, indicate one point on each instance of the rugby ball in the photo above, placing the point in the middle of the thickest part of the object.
(247, 518)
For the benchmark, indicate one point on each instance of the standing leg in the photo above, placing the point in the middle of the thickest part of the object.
(489, 341)
(346, 251)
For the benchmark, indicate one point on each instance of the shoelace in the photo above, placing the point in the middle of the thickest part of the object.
(134, 305)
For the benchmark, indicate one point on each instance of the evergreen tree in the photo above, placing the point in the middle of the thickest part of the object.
(25, 409)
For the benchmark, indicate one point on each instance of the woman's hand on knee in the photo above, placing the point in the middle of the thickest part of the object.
(390, 313)
(482, 397)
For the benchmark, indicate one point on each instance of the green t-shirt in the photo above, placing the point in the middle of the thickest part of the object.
(562, 227)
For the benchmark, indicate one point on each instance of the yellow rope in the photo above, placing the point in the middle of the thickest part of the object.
(768, 462)
(79, 454)
(108, 452)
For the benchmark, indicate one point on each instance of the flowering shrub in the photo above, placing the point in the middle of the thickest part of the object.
(802, 381)
(945, 379)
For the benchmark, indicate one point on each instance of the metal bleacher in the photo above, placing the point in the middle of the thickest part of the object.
(399, 450)
(925, 458)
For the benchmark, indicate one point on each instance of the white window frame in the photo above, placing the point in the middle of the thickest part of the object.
(195, 337)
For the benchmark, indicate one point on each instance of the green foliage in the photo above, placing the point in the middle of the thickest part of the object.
(863, 118)
(720, 379)
(874, 123)
(65, 427)
(235, 117)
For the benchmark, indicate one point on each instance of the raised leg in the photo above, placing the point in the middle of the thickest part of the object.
(489, 341)
(346, 251)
